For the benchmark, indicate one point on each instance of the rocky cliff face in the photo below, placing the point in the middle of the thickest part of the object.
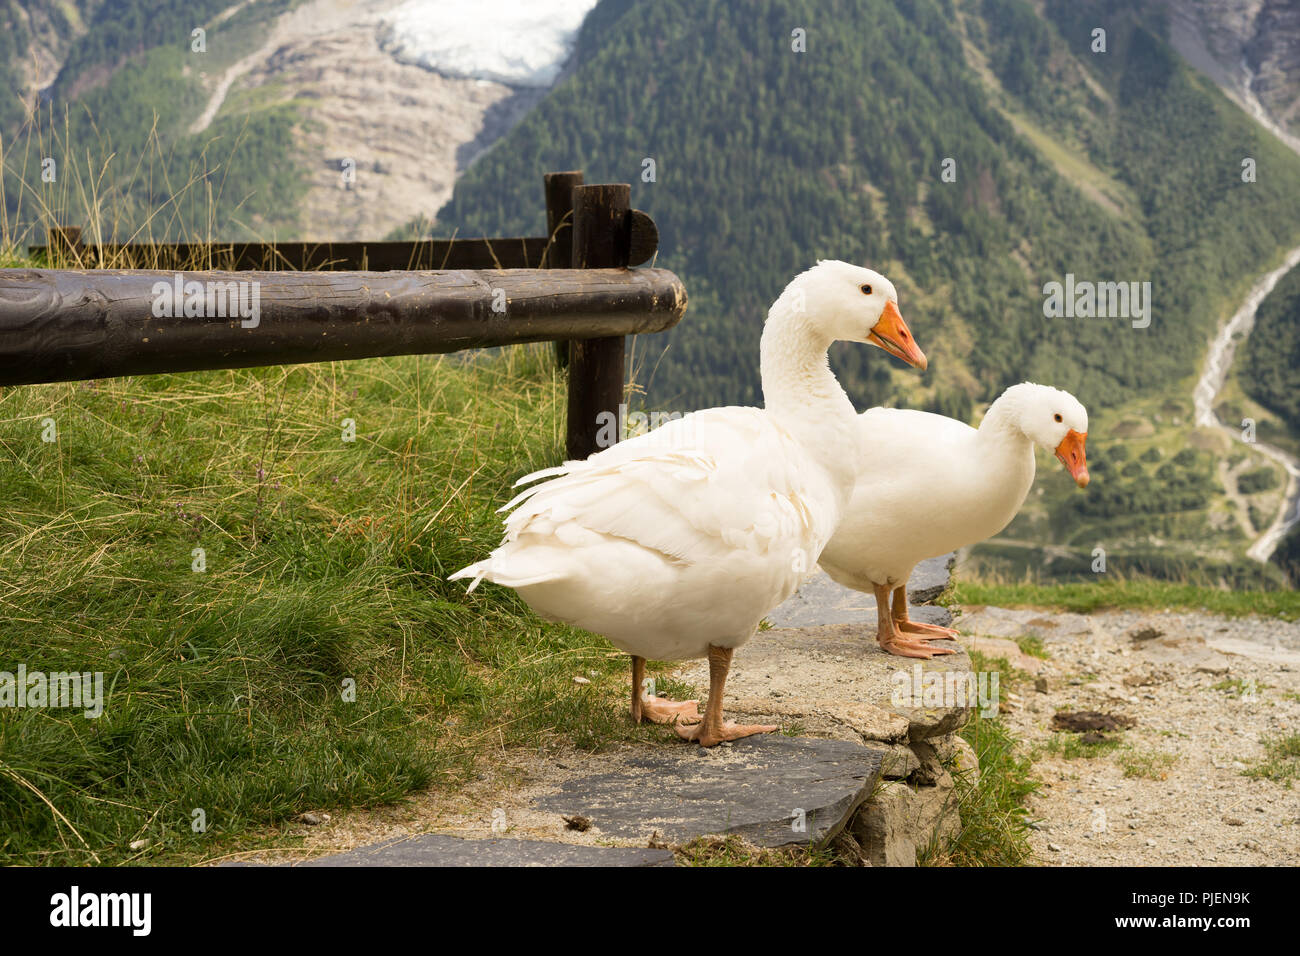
(384, 137)
(48, 30)
(396, 97)
(1251, 48)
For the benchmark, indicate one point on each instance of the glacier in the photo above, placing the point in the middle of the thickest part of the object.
(518, 44)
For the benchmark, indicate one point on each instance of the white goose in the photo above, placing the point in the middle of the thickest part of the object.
(929, 485)
(676, 543)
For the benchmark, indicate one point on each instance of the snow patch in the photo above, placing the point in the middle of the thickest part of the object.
(518, 44)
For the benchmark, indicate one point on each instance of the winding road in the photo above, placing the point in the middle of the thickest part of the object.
(1217, 363)
(1222, 350)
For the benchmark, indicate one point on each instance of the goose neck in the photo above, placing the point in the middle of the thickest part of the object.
(797, 378)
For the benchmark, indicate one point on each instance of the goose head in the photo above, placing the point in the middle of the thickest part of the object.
(851, 303)
(1055, 420)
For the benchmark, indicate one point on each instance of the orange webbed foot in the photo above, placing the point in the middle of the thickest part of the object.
(711, 736)
(935, 631)
(903, 647)
(660, 710)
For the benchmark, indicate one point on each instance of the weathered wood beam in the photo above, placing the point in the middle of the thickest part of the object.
(69, 325)
(559, 224)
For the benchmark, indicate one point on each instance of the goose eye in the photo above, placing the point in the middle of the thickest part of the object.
(866, 290)
(1057, 416)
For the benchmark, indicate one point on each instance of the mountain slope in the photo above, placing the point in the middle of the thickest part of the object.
(365, 127)
(768, 159)
(1117, 166)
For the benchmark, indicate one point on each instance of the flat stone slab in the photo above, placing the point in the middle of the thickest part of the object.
(760, 788)
(820, 600)
(440, 849)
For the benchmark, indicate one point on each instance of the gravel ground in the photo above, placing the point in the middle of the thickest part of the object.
(1202, 690)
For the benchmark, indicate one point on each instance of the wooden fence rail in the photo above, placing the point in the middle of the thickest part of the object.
(59, 325)
(281, 304)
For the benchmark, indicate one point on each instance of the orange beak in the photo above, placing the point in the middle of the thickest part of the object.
(1074, 457)
(892, 335)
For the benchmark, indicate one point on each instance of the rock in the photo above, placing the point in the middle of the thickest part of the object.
(959, 756)
(770, 790)
(923, 724)
(930, 579)
(898, 761)
(867, 720)
(1144, 631)
(440, 849)
(1085, 720)
(900, 820)
(1185, 651)
(1042, 685)
(930, 768)
(1054, 848)
(1023, 622)
(1001, 647)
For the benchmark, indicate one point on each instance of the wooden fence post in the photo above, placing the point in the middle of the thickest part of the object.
(559, 232)
(602, 234)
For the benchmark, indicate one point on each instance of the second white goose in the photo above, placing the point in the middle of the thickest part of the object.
(928, 485)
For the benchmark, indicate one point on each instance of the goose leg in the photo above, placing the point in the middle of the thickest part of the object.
(903, 623)
(713, 729)
(657, 710)
(891, 639)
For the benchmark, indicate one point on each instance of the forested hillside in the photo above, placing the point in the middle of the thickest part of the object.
(1118, 166)
(1271, 371)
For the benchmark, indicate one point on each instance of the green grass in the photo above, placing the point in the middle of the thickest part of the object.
(325, 563)
(1281, 763)
(732, 851)
(1147, 764)
(1032, 646)
(1008, 675)
(994, 822)
(1086, 597)
(1070, 746)
(1237, 687)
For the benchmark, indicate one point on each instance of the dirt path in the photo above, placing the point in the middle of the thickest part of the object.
(1203, 691)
